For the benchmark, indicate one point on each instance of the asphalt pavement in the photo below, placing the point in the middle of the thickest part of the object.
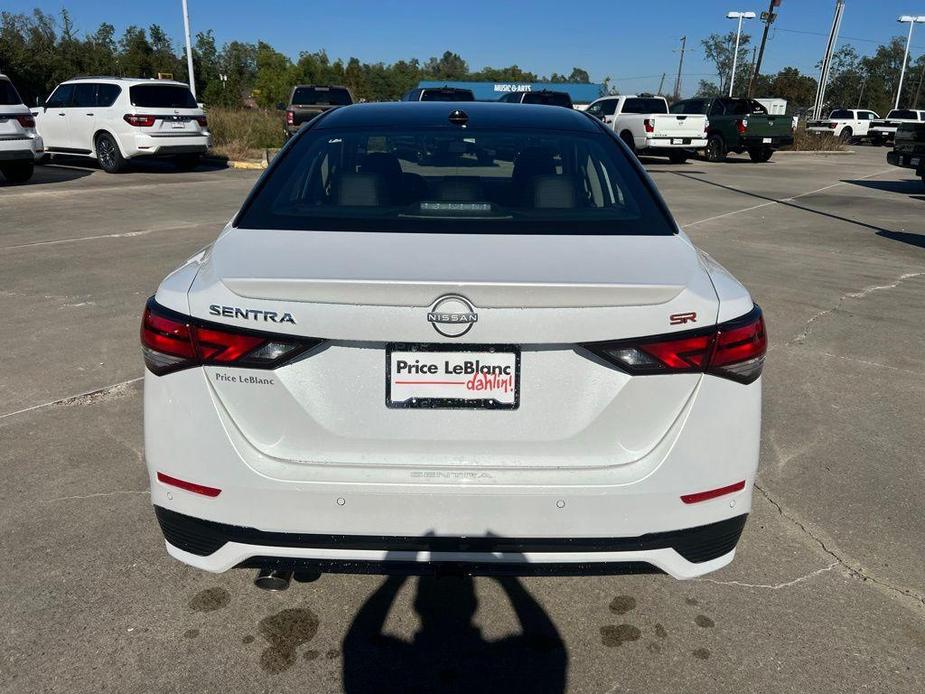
(826, 594)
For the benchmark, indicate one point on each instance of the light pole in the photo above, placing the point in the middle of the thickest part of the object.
(189, 50)
(912, 22)
(735, 56)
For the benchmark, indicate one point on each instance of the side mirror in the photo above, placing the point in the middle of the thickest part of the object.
(280, 106)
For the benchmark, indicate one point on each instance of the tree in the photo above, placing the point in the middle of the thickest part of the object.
(448, 67)
(579, 75)
(275, 76)
(720, 50)
(136, 52)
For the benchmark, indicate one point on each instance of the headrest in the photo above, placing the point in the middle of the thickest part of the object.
(359, 190)
(554, 192)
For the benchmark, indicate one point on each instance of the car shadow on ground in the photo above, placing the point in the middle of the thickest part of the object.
(903, 237)
(48, 174)
(905, 187)
(144, 165)
(449, 653)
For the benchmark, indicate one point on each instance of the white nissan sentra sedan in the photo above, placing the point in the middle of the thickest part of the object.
(461, 337)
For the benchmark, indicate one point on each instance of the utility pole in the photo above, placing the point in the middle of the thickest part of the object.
(768, 21)
(918, 89)
(827, 60)
(189, 50)
(861, 95)
(661, 84)
(677, 82)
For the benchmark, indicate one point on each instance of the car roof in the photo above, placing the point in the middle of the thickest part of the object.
(482, 115)
(131, 81)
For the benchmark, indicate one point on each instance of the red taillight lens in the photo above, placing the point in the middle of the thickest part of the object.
(202, 120)
(26, 120)
(733, 350)
(290, 118)
(742, 126)
(139, 121)
(649, 125)
(171, 341)
(188, 486)
(833, 125)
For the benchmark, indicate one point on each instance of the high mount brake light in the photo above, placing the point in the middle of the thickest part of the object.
(734, 350)
(139, 121)
(171, 341)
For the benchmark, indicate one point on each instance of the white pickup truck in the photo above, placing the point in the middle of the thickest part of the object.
(884, 130)
(845, 124)
(644, 124)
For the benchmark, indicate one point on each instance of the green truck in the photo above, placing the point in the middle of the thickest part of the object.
(909, 148)
(738, 125)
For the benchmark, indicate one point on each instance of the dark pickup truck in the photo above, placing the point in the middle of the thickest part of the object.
(309, 100)
(739, 125)
(909, 148)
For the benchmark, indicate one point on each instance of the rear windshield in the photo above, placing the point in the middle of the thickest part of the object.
(447, 95)
(326, 96)
(642, 105)
(456, 181)
(162, 96)
(903, 114)
(548, 98)
(696, 107)
(841, 115)
(8, 95)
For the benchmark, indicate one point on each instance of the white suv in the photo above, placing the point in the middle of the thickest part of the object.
(115, 119)
(19, 143)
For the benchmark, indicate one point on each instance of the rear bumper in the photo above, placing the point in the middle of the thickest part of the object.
(21, 148)
(142, 145)
(670, 143)
(682, 553)
(906, 161)
(774, 141)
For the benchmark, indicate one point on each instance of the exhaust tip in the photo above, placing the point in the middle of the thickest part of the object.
(273, 580)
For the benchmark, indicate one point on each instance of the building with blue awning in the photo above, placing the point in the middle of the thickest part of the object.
(581, 93)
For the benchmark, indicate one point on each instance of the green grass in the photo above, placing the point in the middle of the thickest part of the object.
(243, 134)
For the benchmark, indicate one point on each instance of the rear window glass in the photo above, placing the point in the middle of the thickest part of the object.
(456, 181)
(645, 106)
(548, 98)
(697, 107)
(841, 115)
(8, 95)
(162, 96)
(903, 114)
(447, 95)
(310, 96)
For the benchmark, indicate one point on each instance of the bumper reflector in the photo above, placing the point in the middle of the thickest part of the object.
(713, 493)
(188, 486)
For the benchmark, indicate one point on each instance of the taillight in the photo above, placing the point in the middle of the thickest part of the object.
(171, 341)
(203, 122)
(26, 120)
(742, 126)
(649, 125)
(139, 121)
(706, 126)
(734, 350)
(290, 118)
(833, 125)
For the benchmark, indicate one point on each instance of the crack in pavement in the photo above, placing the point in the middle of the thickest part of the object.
(88, 398)
(93, 496)
(775, 586)
(855, 571)
(866, 291)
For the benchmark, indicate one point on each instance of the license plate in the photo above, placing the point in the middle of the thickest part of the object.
(677, 141)
(766, 141)
(915, 161)
(452, 377)
(178, 125)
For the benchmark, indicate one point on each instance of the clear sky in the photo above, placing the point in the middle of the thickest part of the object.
(631, 41)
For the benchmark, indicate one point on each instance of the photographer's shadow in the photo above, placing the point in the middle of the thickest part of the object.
(449, 653)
